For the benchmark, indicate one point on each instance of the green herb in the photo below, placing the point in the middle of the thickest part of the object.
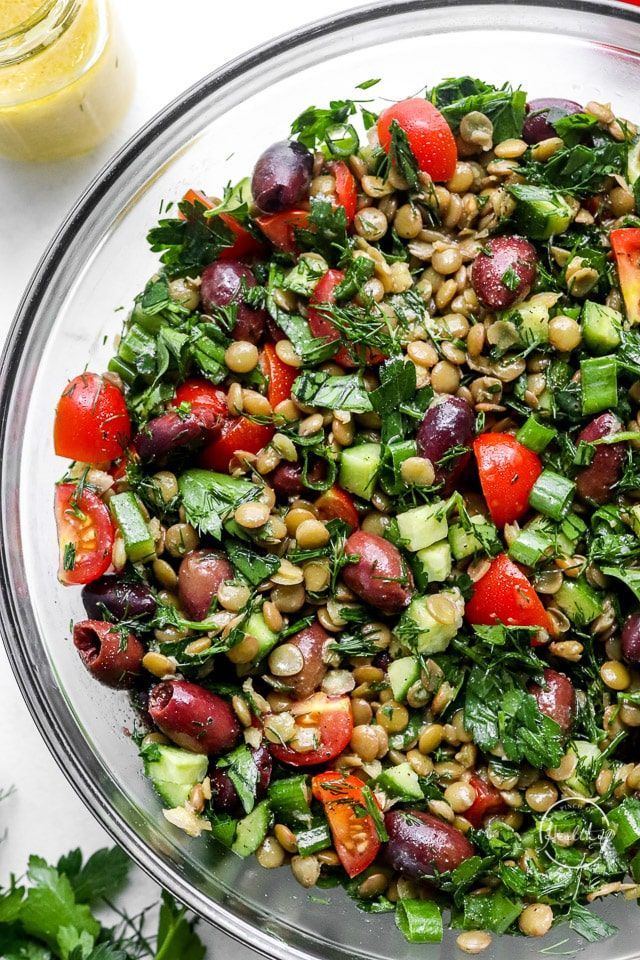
(510, 279)
(402, 156)
(69, 556)
(211, 498)
(254, 567)
(189, 245)
(366, 84)
(244, 774)
(579, 169)
(311, 126)
(504, 106)
(573, 127)
(327, 231)
(318, 389)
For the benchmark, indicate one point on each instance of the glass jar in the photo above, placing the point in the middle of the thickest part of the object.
(66, 77)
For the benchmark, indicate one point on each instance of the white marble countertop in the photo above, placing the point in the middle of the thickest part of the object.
(43, 814)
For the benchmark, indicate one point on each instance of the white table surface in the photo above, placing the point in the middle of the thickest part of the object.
(43, 815)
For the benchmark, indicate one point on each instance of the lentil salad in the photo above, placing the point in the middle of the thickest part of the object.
(354, 509)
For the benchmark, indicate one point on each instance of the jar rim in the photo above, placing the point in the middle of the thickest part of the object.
(50, 19)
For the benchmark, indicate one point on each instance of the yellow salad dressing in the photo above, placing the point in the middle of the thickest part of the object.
(65, 83)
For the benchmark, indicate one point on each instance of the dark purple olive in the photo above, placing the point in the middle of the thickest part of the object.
(222, 285)
(541, 116)
(193, 717)
(556, 698)
(595, 482)
(224, 796)
(380, 576)
(200, 575)
(171, 430)
(123, 599)
(421, 845)
(504, 272)
(311, 643)
(448, 423)
(630, 638)
(112, 658)
(281, 177)
(286, 479)
(382, 660)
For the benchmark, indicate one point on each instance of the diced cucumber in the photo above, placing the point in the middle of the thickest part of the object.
(422, 526)
(598, 384)
(403, 673)
(223, 828)
(578, 601)
(252, 830)
(464, 543)
(408, 737)
(540, 212)
(256, 626)
(316, 838)
(139, 545)
(173, 771)
(634, 519)
(633, 163)
(600, 328)
(588, 759)
(532, 323)
(434, 563)
(359, 468)
(401, 781)
(433, 635)
(396, 453)
(289, 800)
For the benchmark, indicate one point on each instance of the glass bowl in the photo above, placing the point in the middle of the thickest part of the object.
(67, 321)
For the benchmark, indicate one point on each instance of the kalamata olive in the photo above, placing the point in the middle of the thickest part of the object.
(380, 576)
(224, 796)
(596, 481)
(630, 638)
(556, 698)
(193, 717)
(123, 599)
(311, 644)
(221, 285)
(200, 575)
(421, 845)
(381, 660)
(504, 272)
(281, 177)
(113, 658)
(286, 479)
(173, 430)
(541, 116)
(448, 423)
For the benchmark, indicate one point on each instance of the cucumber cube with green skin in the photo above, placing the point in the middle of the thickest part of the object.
(430, 635)
(435, 562)
(422, 526)
(289, 800)
(139, 545)
(464, 543)
(252, 830)
(540, 212)
(174, 772)
(403, 673)
(256, 626)
(634, 519)
(600, 328)
(401, 781)
(578, 601)
(588, 761)
(532, 323)
(359, 467)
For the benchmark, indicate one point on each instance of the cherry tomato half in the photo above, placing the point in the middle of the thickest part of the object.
(85, 534)
(508, 471)
(92, 421)
(488, 800)
(346, 189)
(354, 836)
(200, 393)
(237, 433)
(331, 720)
(504, 595)
(244, 245)
(428, 133)
(336, 504)
(280, 228)
(280, 375)
(626, 247)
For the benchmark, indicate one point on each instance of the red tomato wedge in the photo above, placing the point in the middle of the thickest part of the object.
(200, 393)
(626, 248)
(92, 421)
(85, 535)
(336, 504)
(504, 595)
(428, 133)
(280, 375)
(330, 720)
(237, 433)
(346, 188)
(280, 228)
(508, 471)
(244, 245)
(488, 800)
(354, 835)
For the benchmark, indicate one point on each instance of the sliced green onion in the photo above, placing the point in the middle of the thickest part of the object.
(535, 435)
(531, 546)
(342, 140)
(552, 495)
(599, 384)
(573, 528)
(626, 822)
(289, 800)
(491, 911)
(124, 370)
(316, 838)
(584, 454)
(420, 921)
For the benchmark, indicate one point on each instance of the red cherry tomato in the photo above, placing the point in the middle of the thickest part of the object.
(508, 471)
(237, 433)
(504, 595)
(330, 718)
(346, 189)
(625, 243)
(280, 375)
(244, 245)
(354, 836)
(280, 228)
(488, 800)
(92, 421)
(85, 534)
(321, 326)
(336, 504)
(430, 138)
(200, 393)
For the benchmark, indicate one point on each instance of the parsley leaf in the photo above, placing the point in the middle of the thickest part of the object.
(211, 498)
(244, 774)
(504, 106)
(100, 877)
(312, 125)
(402, 156)
(176, 936)
(254, 567)
(50, 903)
(589, 925)
(318, 389)
(189, 245)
